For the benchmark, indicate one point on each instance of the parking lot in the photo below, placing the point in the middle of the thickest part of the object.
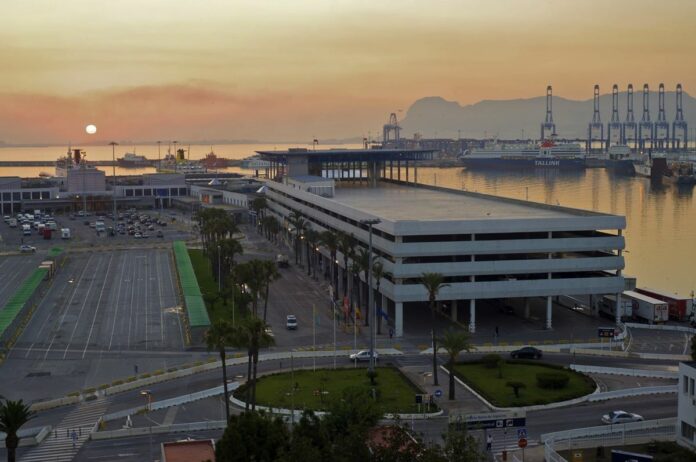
(106, 302)
(14, 270)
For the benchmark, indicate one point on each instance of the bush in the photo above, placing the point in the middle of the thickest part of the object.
(117, 382)
(552, 380)
(104, 386)
(491, 361)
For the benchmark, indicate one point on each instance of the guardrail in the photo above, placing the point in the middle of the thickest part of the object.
(625, 371)
(635, 325)
(628, 392)
(174, 428)
(608, 435)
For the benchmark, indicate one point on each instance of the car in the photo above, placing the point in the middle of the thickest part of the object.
(291, 322)
(527, 352)
(269, 332)
(363, 355)
(160, 233)
(145, 235)
(619, 417)
(137, 235)
(24, 248)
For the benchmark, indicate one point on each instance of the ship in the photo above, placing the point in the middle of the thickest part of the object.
(255, 163)
(621, 160)
(653, 166)
(75, 158)
(133, 160)
(213, 162)
(178, 164)
(548, 155)
(682, 173)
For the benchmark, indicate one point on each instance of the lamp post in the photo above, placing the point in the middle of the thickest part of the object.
(159, 158)
(218, 275)
(370, 294)
(113, 145)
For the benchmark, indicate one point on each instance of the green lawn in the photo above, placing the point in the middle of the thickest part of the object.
(486, 382)
(209, 287)
(395, 392)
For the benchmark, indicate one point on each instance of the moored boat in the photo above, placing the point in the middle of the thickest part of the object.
(548, 155)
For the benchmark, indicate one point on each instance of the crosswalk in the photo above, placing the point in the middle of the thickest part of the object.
(69, 435)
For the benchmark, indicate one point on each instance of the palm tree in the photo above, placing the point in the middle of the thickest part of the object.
(270, 274)
(299, 223)
(258, 205)
(252, 274)
(346, 242)
(229, 248)
(433, 282)
(13, 415)
(220, 335)
(378, 274)
(312, 239)
(255, 336)
(362, 262)
(455, 341)
(329, 239)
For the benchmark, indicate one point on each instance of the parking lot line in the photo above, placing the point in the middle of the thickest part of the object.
(118, 299)
(96, 311)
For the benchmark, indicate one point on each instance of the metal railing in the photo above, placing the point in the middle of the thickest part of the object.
(625, 371)
(627, 392)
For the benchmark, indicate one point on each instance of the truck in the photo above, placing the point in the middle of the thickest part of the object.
(65, 233)
(680, 308)
(607, 307)
(648, 308)
(26, 230)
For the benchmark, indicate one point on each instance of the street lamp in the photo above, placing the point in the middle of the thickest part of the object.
(219, 277)
(147, 394)
(113, 145)
(159, 159)
(370, 295)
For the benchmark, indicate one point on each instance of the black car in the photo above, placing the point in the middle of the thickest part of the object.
(526, 352)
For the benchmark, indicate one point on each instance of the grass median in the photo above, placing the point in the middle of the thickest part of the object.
(491, 383)
(214, 303)
(316, 390)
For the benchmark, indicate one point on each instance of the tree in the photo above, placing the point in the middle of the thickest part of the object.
(433, 282)
(252, 274)
(516, 387)
(298, 223)
(462, 447)
(13, 415)
(362, 264)
(312, 239)
(346, 242)
(221, 335)
(378, 274)
(254, 336)
(253, 436)
(258, 205)
(454, 341)
(229, 248)
(329, 239)
(270, 274)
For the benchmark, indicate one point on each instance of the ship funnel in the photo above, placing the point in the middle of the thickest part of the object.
(180, 154)
(77, 156)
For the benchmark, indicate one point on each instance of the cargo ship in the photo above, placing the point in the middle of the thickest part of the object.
(213, 162)
(548, 155)
(75, 158)
(133, 160)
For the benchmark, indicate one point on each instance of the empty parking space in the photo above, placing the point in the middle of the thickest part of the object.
(105, 302)
(14, 270)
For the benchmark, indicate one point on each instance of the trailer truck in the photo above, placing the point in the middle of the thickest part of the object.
(607, 306)
(680, 308)
(648, 308)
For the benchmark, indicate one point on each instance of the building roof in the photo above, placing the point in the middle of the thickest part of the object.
(347, 155)
(188, 451)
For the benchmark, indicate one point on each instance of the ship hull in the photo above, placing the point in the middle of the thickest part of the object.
(524, 164)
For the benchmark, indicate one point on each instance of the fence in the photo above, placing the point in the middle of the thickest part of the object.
(608, 435)
(627, 392)
(625, 371)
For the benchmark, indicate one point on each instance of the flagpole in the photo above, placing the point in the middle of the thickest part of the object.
(314, 338)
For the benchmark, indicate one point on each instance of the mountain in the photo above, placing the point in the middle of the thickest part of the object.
(435, 117)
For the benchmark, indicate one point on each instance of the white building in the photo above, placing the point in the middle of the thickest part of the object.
(486, 247)
(686, 413)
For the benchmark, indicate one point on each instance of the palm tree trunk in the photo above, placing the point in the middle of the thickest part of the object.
(309, 262)
(379, 313)
(11, 443)
(253, 383)
(451, 379)
(432, 320)
(365, 304)
(265, 301)
(248, 390)
(224, 383)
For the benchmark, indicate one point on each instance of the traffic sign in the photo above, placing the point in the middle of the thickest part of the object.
(522, 443)
(521, 433)
(496, 420)
(438, 393)
(605, 332)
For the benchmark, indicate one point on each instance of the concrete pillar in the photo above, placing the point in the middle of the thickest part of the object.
(453, 303)
(526, 308)
(549, 304)
(398, 319)
(618, 295)
(472, 315)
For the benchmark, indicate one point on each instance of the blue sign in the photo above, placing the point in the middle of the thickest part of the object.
(438, 393)
(521, 433)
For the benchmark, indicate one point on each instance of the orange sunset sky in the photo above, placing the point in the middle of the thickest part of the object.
(279, 70)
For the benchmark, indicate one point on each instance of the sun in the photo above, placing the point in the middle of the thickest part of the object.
(91, 129)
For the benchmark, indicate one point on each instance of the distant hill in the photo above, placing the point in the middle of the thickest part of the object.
(436, 117)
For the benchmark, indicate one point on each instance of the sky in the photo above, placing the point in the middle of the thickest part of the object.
(297, 69)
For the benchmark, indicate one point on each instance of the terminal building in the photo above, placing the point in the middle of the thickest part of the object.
(487, 248)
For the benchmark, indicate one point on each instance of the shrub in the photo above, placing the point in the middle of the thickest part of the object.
(552, 380)
(491, 361)
(89, 390)
(117, 382)
(172, 369)
(516, 387)
(104, 386)
(145, 376)
(73, 393)
(130, 379)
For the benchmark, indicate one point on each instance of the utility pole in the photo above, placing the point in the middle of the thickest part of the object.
(113, 145)
(371, 295)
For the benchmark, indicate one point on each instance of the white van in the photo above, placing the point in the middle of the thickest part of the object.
(26, 230)
(65, 233)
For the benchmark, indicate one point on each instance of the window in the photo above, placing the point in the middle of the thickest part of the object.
(182, 191)
(687, 431)
(129, 193)
(45, 195)
(26, 195)
(148, 192)
(35, 195)
(691, 386)
(16, 196)
(138, 192)
(685, 381)
(6, 196)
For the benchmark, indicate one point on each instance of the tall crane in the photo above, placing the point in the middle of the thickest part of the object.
(548, 128)
(391, 128)
(679, 126)
(661, 131)
(595, 129)
(614, 128)
(629, 126)
(645, 127)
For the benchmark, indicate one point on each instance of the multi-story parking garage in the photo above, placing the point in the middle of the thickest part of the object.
(486, 247)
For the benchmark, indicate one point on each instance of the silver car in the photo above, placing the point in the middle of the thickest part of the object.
(363, 355)
(620, 417)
